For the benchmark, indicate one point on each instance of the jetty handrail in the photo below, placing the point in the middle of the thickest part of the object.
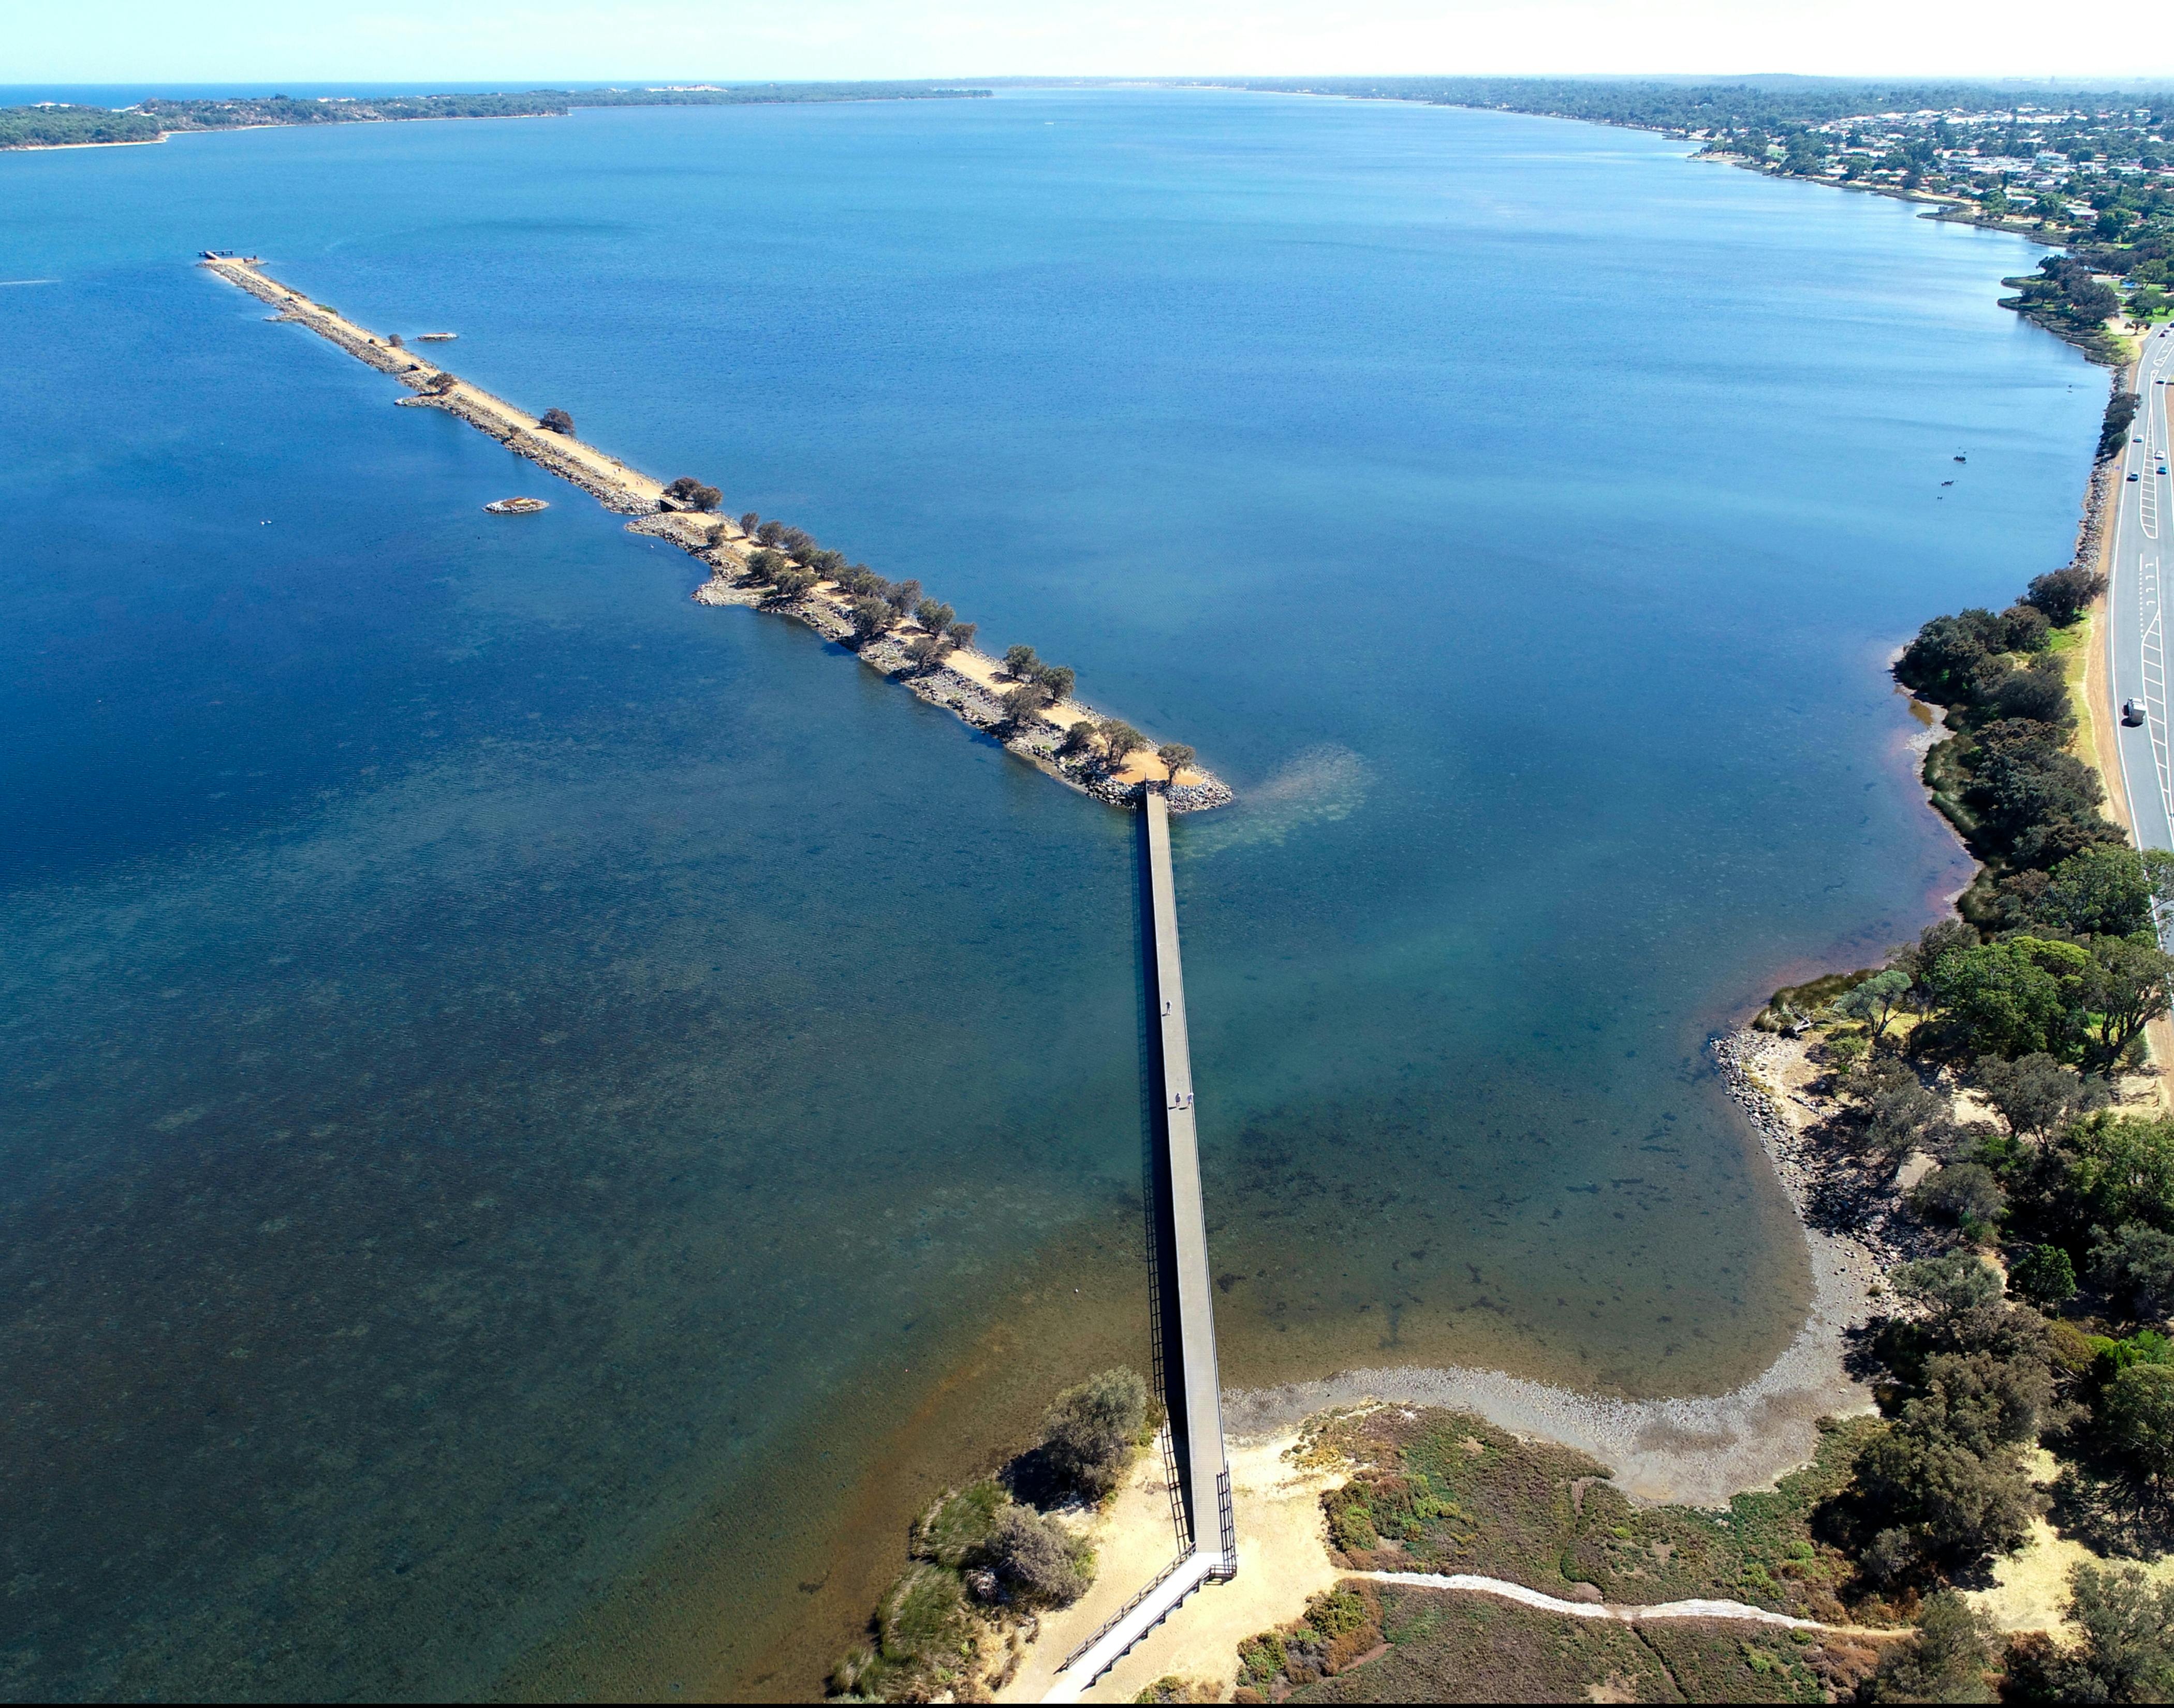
(1119, 1617)
(1195, 1399)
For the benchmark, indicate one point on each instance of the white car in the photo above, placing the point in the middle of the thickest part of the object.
(2132, 712)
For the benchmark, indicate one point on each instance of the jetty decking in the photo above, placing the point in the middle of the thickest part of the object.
(1191, 1387)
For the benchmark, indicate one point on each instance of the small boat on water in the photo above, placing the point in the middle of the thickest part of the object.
(516, 506)
(435, 337)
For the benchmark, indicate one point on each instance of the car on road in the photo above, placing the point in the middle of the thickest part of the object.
(2132, 712)
(2131, 477)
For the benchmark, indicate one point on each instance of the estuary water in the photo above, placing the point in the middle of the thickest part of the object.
(539, 1121)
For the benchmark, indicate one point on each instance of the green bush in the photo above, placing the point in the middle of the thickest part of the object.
(1092, 1430)
(1038, 1560)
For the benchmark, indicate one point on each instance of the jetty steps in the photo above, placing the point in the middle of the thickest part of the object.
(968, 683)
(1186, 1373)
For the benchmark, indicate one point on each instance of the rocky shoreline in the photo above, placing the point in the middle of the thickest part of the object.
(718, 544)
(970, 702)
(1836, 1193)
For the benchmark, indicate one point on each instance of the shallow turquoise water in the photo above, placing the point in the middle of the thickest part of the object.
(494, 1050)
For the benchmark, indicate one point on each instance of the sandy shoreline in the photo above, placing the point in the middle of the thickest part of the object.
(968, 683)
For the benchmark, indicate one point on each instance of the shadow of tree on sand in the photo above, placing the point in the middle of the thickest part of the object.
(2097, 1500)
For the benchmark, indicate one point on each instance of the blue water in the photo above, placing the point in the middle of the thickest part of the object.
(540, 1118)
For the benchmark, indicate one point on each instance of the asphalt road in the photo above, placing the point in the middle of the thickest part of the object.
(2136, 638)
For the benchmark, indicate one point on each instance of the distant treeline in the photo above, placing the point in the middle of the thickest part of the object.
(52, 126)
(1688, 106)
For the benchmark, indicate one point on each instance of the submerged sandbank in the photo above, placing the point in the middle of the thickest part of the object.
(969, 684)
(1695, 1451)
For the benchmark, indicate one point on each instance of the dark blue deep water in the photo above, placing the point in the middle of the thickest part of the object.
(536, 1118)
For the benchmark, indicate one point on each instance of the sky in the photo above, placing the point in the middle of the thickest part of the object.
(687, 41)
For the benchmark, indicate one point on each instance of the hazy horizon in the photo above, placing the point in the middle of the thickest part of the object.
(251, 41)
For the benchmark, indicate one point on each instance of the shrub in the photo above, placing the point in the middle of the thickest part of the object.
(1900, 1113)
(2113, 425)
(1952, 1288)
(770, 533)
(2034, 1094)
(440, 383)
(1078, 738)
(871, 618)
(2028, 629)
(793, 584)
(1119, 741)
(2136, 1409)
(2045, 1275)
(765, 564)
(1875, 1001)
(2135, 1265)
(2063, 594)
(797, 542)
(556, 421)
(962, 634)
(1960, 1193)
(1056, 679)
(934, 616)
(1037, 1558)
(750, 523)
(2127, 1654)
(1948, 1661)
(902, 597)
(2105, 891)
(1022, 704)
(2015, 998)
(2040, 693)
(1175, 755)
(1020, 663)
(1091, 1429)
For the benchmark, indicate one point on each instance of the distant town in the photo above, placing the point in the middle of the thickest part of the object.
(2091, 172)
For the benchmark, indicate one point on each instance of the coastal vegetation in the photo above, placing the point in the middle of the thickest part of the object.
(1898, 1515)
(56, 124)
(2090, 171)
(791, 565)
(685, 491)
(1446, 1492)
(983, 1561)
(2007, 780)
(2038, 1318)
(1436, 1645)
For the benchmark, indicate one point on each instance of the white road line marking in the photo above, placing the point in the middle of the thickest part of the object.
(2154, 677)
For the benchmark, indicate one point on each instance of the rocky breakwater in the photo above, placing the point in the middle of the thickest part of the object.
(966, 682)
(488, 415)
(960, 683)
